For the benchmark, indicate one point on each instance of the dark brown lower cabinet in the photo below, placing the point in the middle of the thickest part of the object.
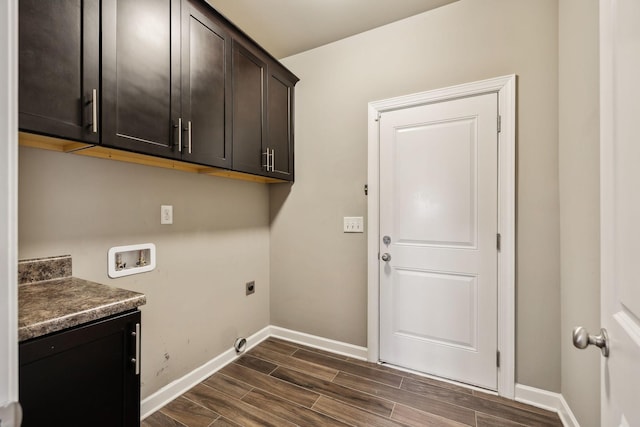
(84, 376)
(262, 114)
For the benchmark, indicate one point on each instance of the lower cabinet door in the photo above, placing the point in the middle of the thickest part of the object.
(85, 376)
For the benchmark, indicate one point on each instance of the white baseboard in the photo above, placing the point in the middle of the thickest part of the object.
(326, 344)
(169, 392)
(547, 400)
(174, 389)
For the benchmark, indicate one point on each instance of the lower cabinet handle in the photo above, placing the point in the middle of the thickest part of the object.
(136, 359)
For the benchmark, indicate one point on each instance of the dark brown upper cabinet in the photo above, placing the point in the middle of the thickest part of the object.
(165, 71)
(206, 87)
(59, 68)
(167, 78)
(141, 76)
(262, 114)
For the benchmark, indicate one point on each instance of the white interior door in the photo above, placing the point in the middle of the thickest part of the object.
(438, 267)
(620, 199)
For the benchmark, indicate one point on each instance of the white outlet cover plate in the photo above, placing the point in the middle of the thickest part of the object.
(166, 214)
(353, 224)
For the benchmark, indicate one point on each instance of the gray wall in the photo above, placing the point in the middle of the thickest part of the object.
(196, 303)
(318, 274)
(579, 203)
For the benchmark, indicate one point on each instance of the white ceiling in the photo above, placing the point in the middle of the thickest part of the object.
(287, 27)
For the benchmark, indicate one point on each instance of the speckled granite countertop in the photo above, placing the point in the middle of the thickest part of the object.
(49, 300)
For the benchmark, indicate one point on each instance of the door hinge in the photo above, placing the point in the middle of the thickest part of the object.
(498, 358)
(499, 124)
(498, 241)
(377, 119)
(366, 189)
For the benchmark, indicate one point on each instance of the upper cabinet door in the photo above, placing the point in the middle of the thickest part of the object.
(59, 68)
(280, 124)
(206, 87)
(141, 76)
(249, 130)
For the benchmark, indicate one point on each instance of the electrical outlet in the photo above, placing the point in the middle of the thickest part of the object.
(166, 214)
(353, 224)
(250, 287)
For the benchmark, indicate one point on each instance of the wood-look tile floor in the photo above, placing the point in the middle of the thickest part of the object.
(279, 383)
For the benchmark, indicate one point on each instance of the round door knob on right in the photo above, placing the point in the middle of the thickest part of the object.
(582, 339)
(386, 257)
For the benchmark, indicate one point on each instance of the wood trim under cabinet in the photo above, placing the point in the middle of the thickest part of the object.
(90, 150)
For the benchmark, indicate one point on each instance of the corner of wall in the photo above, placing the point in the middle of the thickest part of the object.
(579, 158)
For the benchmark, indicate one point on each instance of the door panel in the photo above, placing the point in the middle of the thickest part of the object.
(620, 208)
(248, 111)
(141, 75)
(442, 210)
(446, 307)
(206, 69)
(280, 137)
(438, 204)
(59, 67)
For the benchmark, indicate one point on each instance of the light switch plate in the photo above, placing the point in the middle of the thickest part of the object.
(353, 224)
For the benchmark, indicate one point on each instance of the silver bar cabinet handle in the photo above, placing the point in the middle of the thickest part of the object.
(266, 165)
(273, 159)
(94, 110)
(189, 134)
(136, 360)
(180, 134)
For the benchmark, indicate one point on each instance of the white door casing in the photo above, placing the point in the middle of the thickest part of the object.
(438, 206)
(620, 210)
(8, 212)
(505, 88)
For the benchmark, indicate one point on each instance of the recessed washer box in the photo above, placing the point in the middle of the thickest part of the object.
(131, 259)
